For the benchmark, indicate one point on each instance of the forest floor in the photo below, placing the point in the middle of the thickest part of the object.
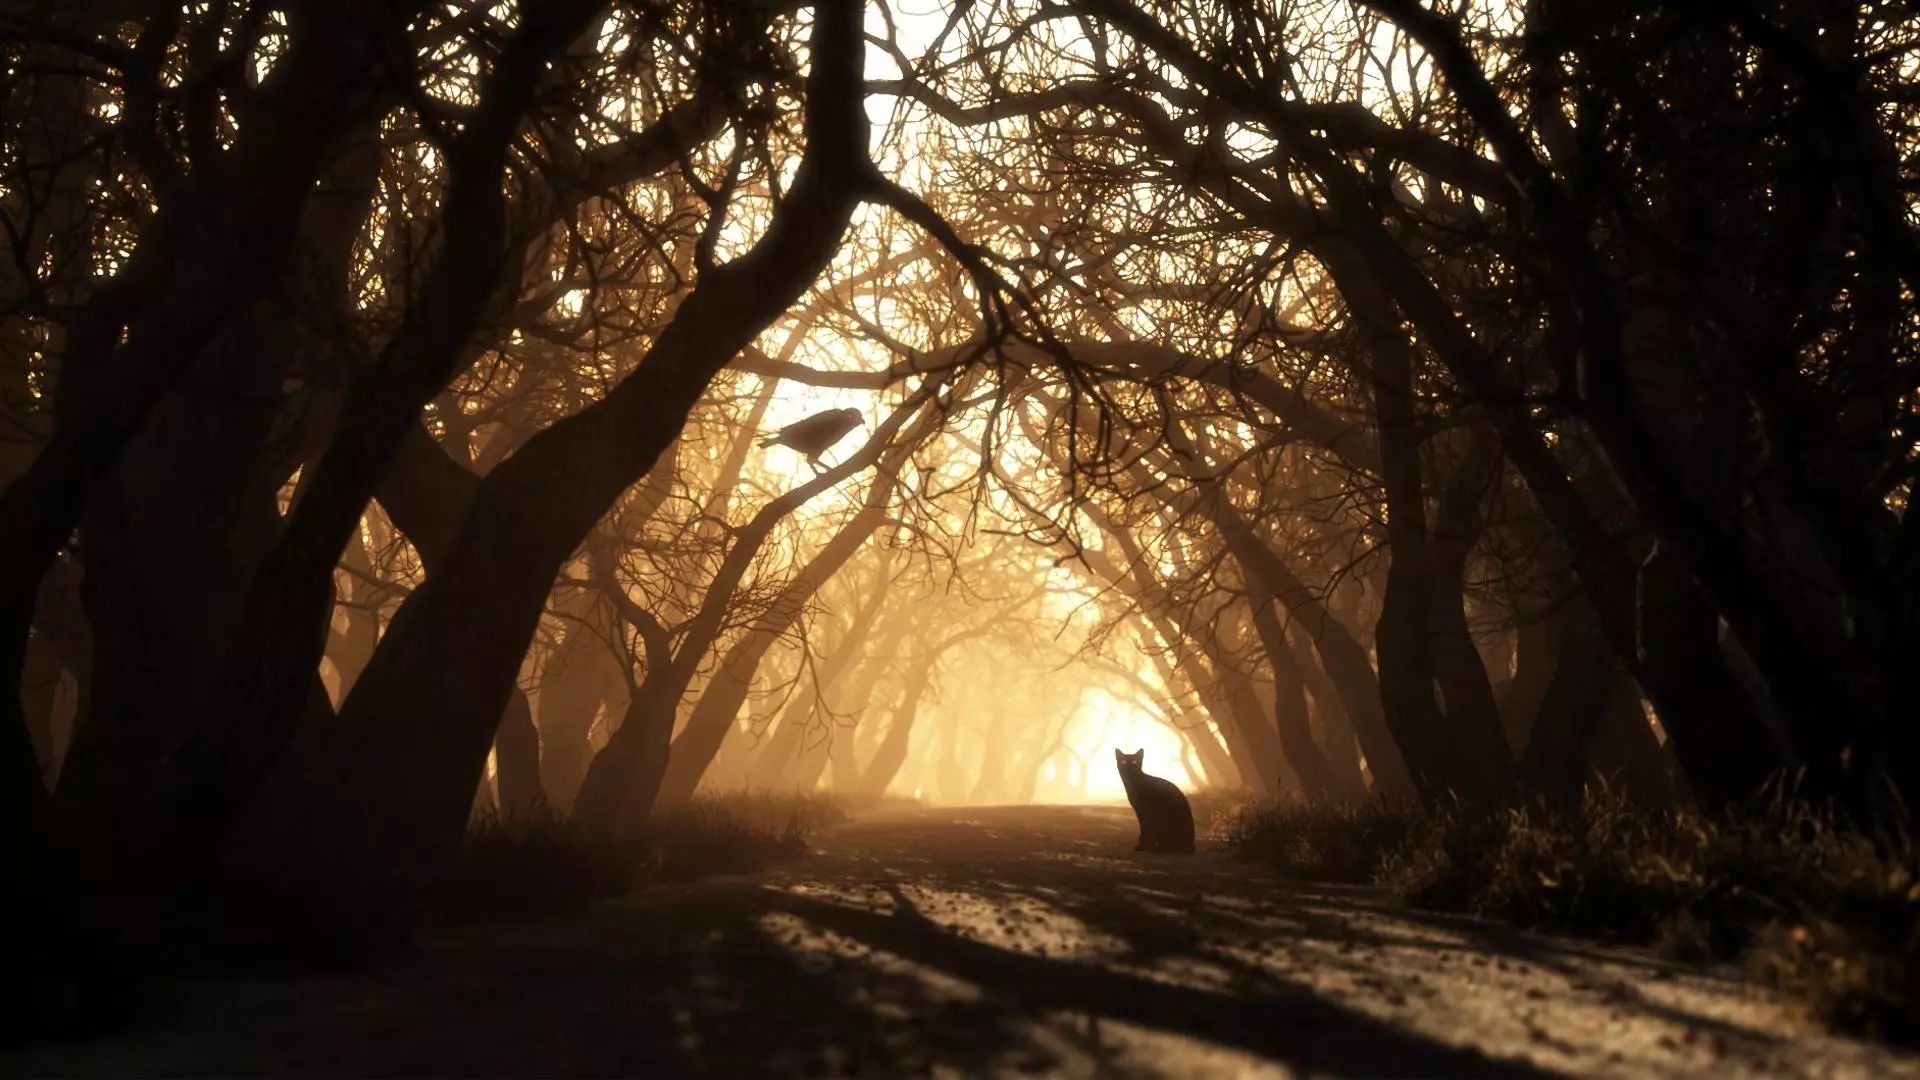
(987, 941)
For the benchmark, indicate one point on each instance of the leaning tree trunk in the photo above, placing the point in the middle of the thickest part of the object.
(174, 531)
(1194, 663)
(732, 680)
(843, 696)
(1532, 671)
(1461, 752)
(689, 754)
(40, 684)
(208, 253)
(516, 758)
(1337, 744)
(413, 737)
(1214, 755)
(992, 776)
(892, 752)
(1343, 659)
(790, 741)
(1584, 677)
(1241, 707)
(719, 705)
(1723, 749)
(782, 734)
(1290, 710)
(1628, 755)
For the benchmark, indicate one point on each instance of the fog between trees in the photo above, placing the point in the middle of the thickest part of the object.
(1336, 399)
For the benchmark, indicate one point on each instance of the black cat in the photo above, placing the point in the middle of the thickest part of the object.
(1166, 821)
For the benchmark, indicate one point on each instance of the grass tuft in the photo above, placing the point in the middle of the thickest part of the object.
(1826, 915)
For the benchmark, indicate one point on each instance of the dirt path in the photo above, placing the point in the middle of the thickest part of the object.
(991, 941)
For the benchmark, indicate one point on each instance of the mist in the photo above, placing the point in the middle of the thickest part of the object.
(507, 461)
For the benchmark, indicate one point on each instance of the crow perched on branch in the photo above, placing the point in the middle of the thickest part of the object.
(814, 435)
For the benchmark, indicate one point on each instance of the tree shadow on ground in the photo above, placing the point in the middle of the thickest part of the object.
(987, 943)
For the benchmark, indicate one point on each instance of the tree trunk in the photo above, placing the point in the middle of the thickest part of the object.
(1290, 709)
(719, 705)
(1196, 665)
(210, 250)
(174, 531)
(1520, 698)
(582, 682)
(1584, 678)
(1472, 712)
(1628, 755)
(1721, 745)
(892, 753)
(40, 685)
(516, 757)
(846, 697)
(1336, 731)
(1344, 661)
(414, 735)
(992, 777)
(1214, 756)
(787, 762)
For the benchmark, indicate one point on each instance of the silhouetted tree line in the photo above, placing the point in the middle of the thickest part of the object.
(1429, 398)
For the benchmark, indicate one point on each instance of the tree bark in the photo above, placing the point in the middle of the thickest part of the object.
(215, 244)
(414, 734)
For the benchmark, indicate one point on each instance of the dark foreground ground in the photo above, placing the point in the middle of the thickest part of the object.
(999, 941)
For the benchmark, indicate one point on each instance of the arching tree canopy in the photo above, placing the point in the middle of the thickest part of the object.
(1356, 399)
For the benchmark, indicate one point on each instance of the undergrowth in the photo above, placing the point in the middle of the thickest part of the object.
(1319, 841)
(536, 865)
(1811, 907)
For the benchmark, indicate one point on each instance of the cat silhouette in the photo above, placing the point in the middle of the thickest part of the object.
(1166, 821)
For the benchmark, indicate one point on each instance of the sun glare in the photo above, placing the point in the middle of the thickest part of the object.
(1105, 724)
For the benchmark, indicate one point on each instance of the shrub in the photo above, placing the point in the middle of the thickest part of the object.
(1318, 841)
(1816, 909)
(526, 866)
(708, 837)
(1861, 978)
(536, 865)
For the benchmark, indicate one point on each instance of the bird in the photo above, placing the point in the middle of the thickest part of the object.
(816, 434)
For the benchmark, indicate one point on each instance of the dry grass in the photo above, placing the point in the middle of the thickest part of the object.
(536, 865)
(1215, 809)
(1319, 841)
(730, 834)
(1827, 915)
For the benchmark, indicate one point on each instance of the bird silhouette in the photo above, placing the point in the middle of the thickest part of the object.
(816, 434)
